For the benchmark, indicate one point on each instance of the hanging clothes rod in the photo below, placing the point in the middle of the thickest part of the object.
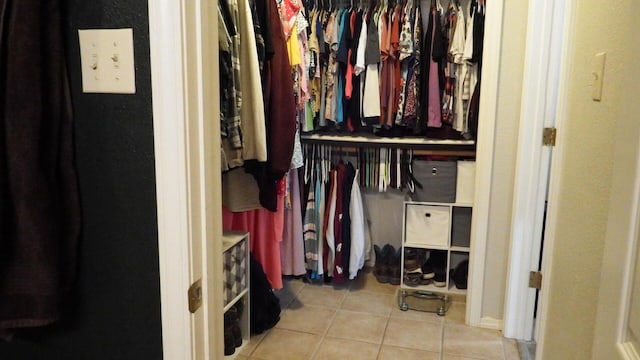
(420, 146)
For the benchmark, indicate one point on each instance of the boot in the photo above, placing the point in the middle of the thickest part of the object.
(381, 269)
(460, 274)
(238, 307)
(229, 341)
(394, 258)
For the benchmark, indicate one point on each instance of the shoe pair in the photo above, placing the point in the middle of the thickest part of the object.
(387, 267)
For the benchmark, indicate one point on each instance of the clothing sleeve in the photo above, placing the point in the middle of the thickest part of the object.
(458, 42)
(362, 46)
(356, 212)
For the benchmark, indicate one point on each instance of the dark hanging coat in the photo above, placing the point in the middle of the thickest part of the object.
(280, 109)
(39, 205)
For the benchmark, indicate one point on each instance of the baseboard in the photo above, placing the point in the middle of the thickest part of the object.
(490, 323)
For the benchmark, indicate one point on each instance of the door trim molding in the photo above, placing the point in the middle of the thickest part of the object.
(484, 160)
(626, 349)
(170, 131)
(184, 80)
(543, 105)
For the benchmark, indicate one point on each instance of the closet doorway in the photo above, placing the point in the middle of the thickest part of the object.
(185, 83)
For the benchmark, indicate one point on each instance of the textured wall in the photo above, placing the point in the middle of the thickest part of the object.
(504, 158)
(588, 137)
(117, 310)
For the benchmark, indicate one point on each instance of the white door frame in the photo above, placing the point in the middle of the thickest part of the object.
(184, 62)
(484, 159)
(543, 105)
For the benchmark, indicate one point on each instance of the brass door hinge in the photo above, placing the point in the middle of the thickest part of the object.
(549, 137)
(535, 279)
(195, 296)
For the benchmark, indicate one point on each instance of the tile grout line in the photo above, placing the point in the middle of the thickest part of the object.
(325, 332)
(384, 333)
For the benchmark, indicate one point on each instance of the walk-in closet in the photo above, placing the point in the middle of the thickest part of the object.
(348, 152)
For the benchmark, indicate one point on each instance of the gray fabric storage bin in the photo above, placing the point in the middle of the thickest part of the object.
(438, 180)
(461, 226)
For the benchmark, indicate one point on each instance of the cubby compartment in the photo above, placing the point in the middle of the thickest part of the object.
(461, 227)
(427, 225)
(235, 256)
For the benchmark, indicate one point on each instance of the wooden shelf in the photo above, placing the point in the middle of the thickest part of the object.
(462, 249)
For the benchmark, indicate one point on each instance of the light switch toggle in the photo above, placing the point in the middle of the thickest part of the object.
(107, 61)
(598, 76)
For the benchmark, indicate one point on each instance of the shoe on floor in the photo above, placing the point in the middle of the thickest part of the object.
(381, 269)
(394, 257)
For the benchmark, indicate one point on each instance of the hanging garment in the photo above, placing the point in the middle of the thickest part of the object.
(329, 226)
(371, 96)
(292, 254)
(344, 247)
(358, 249)
(40, 215)
(233, 129)
(337, 218)
(310, 234)
(320, 193)
(434, 115)
(413, 74)
(252, 124)
(456, 53)
(280, 115)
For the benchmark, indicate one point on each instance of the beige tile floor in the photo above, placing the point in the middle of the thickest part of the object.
(361, 320)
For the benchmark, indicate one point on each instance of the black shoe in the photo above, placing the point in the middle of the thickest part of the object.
(427, 270)
(440, 278)
(460, 274)
(438, 261)
(229, 341)
(237, 334)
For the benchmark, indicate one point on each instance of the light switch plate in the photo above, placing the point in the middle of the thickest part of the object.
(598, 75)
(106, 57)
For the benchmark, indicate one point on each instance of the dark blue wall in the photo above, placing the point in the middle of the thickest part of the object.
(116, 309)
